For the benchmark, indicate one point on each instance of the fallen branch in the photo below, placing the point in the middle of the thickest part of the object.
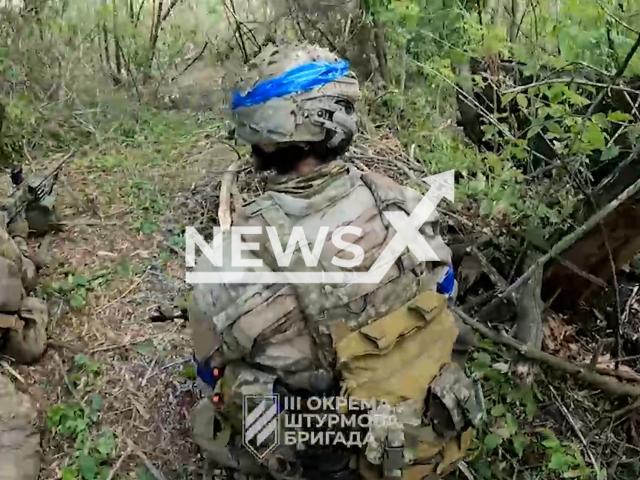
(528, 328)
(541, 245)
(497, 279)
(11, 371)
(570, 239)
(608, 385)
(118, 464)
(120, 345)
(129, 290)
(224, 212)
(568, 416)
(153, 470)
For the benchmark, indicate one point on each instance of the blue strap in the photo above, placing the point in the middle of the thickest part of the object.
(299, 79)
(447, 284)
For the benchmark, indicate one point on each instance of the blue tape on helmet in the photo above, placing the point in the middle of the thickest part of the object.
(297, 80)
(447, 284)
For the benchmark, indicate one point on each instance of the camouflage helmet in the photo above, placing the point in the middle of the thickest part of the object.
(296, 95)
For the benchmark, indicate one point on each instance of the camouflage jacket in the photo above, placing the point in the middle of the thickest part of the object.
(286, 329)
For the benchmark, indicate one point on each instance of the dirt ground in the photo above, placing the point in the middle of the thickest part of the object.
(112, 276)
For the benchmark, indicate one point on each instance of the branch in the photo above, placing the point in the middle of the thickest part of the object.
(168, 12)
(616, 77)
(616, 19)
(608, 385)
(569, 240)
(569, 80)
(194, 60)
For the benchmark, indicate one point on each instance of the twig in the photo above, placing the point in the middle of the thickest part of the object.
(193, 61)
(634, 106)
(86, 223)
(118, 464)
(8, 368)
(63, 345)
(615, 78)
(568, 416)
(495, 276)
(618, 317)
(624, 411)
(136, 283)
(577, 81)
(119, 345)
(224, 211)
(462, 466)
(572, 238)
(609, 385)
(148, 375)
(153, 470)
(169, 9)
(627, 309)
(616, 19)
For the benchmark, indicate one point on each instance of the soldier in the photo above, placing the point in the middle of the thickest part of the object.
(23, 325)
(297, 111)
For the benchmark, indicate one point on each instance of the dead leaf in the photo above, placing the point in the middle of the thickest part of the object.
(607, 366)
(559, 338)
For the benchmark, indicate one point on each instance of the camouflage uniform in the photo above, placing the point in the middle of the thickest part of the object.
(23, 335)
(288, 333)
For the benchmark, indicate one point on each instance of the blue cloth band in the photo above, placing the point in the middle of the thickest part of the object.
(446, 285)
(297, 80)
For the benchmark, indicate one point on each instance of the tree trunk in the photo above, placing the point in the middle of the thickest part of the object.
(381, 50)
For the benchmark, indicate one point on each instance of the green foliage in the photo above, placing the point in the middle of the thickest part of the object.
(74, 288)
(95, 447)
(504, 448)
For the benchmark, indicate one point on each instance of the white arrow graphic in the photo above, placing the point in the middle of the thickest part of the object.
(407, 236)
(408, 228)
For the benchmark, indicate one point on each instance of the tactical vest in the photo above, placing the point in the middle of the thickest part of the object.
(287, 328)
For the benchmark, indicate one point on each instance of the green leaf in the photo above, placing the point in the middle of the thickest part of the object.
(88, 467)
(610, 152)
(96, 402)
(106, 444)
(76, 301)
(507, 97)
(533, 130)
(498, 410)
(574, 98)
(483, 358)
(512, 424)
(79, 281)
(149, 228)
(519, 442)
(68, 473)
(189, 371)
(80, 360)
(551, 442)
(492, 441)
(594, 137)
(561, 461)
(522, 100)
(620, 117)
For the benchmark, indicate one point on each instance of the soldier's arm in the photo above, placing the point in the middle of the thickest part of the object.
(214, 308)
